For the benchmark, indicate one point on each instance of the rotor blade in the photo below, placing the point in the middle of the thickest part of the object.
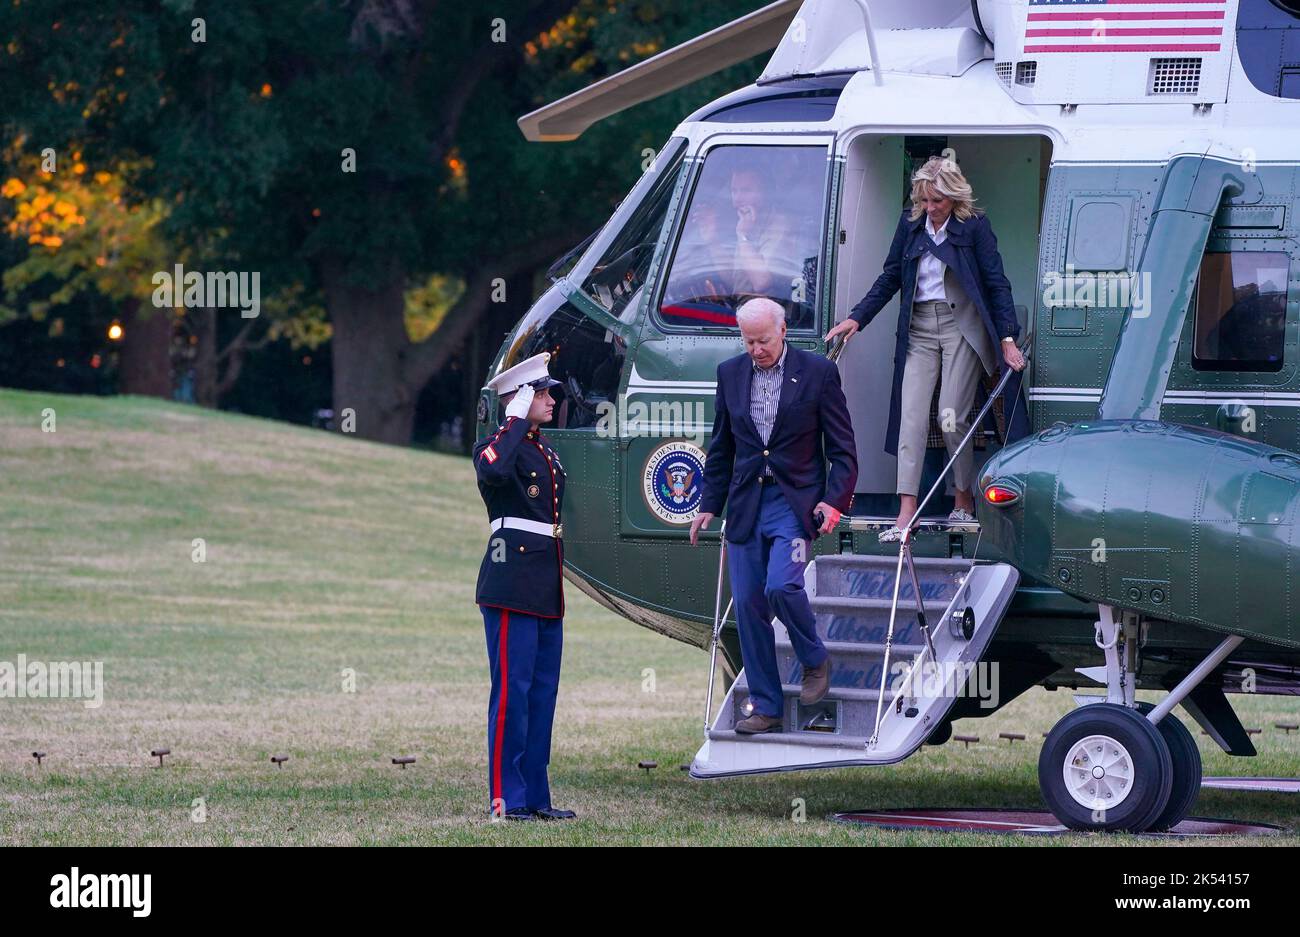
(674, 68)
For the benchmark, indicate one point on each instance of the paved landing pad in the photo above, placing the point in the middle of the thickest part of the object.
(1277, 785)
(980, 820)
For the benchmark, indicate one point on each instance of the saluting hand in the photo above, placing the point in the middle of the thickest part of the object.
(701, 520)
(521, 403)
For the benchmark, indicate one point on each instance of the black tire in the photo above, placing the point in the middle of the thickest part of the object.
(1186, 758)
(1148, 790)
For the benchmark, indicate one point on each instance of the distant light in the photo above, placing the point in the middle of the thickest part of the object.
(59, 363)
(115, 332)
(266, 90)
(306, 359)
(94, 360)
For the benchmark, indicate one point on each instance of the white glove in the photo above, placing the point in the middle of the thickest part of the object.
(521, 403)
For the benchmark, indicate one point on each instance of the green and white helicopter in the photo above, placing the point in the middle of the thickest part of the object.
(1140, 162)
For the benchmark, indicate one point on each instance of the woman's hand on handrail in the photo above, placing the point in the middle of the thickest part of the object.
(1012, 355)
(846, 328)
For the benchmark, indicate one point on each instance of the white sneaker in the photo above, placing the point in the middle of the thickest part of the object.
(961, 516)
(892, 535)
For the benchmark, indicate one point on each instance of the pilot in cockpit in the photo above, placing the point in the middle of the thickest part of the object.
(763, 234)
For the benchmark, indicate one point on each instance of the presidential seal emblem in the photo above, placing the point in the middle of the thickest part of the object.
(673, 481)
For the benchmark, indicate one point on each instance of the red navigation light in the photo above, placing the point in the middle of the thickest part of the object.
(1001, 494)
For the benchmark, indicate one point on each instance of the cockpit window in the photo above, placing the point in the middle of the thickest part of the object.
(627, 244)
(754, 228)
(1241, 311)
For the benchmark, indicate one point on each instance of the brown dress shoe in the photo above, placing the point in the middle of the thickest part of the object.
(758, 723)
(816, 681)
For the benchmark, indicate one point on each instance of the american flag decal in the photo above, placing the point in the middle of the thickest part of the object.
(1125, 25)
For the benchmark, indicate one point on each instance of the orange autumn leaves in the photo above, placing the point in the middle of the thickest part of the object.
(49, 207)
(82, 229)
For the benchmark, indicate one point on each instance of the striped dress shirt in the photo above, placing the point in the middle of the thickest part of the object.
(764, 396)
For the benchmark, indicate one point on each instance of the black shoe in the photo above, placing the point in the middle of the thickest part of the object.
(758, 723)
(550, 813)
(519, 813)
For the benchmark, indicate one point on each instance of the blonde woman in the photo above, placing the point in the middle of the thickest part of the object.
(957, 312)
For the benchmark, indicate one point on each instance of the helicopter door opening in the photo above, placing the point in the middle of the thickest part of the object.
(1008, 174)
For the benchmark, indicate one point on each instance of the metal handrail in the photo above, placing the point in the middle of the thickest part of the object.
(835, 349)
(905, 555)
(717, 629)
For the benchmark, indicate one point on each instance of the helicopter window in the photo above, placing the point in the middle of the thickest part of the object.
(618, 277)
(1241, 311)
(754, 228)
(586, 358)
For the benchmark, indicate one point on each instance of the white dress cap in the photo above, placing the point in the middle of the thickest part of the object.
(533, 371)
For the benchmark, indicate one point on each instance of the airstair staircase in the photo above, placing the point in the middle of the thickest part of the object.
(852, 597)
(906, 636)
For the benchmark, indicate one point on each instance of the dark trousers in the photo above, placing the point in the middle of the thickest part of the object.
(767, 579)
(524, 656)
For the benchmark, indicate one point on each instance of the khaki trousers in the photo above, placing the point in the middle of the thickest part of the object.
(935, 349)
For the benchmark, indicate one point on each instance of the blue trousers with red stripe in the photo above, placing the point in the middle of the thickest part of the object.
(524, 656)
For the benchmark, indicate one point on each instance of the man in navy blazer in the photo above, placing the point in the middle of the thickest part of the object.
(780, 417)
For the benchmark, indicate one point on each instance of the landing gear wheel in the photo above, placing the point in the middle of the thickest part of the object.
(1187, 770)
(1105, 767)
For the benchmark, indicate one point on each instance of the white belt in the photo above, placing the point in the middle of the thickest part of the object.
(533, 527)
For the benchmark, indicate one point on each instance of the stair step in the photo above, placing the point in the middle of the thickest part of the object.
(846, 620)
(836, 648)
(810, 739)
(853, 666)
(853, 709)
(890, 562)
(856, 605)
(872, 577)
(844, 694)
(926, 525)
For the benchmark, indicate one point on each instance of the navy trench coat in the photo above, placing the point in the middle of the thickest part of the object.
(971, 250)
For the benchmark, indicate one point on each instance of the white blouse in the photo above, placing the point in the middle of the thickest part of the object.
(929, 271)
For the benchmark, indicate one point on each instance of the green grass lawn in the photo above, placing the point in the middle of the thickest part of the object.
(325, 554)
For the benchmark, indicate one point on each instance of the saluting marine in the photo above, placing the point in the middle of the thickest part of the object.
(521, 591)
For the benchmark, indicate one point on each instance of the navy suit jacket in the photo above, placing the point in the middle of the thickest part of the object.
(520, 475)
(812, 428)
